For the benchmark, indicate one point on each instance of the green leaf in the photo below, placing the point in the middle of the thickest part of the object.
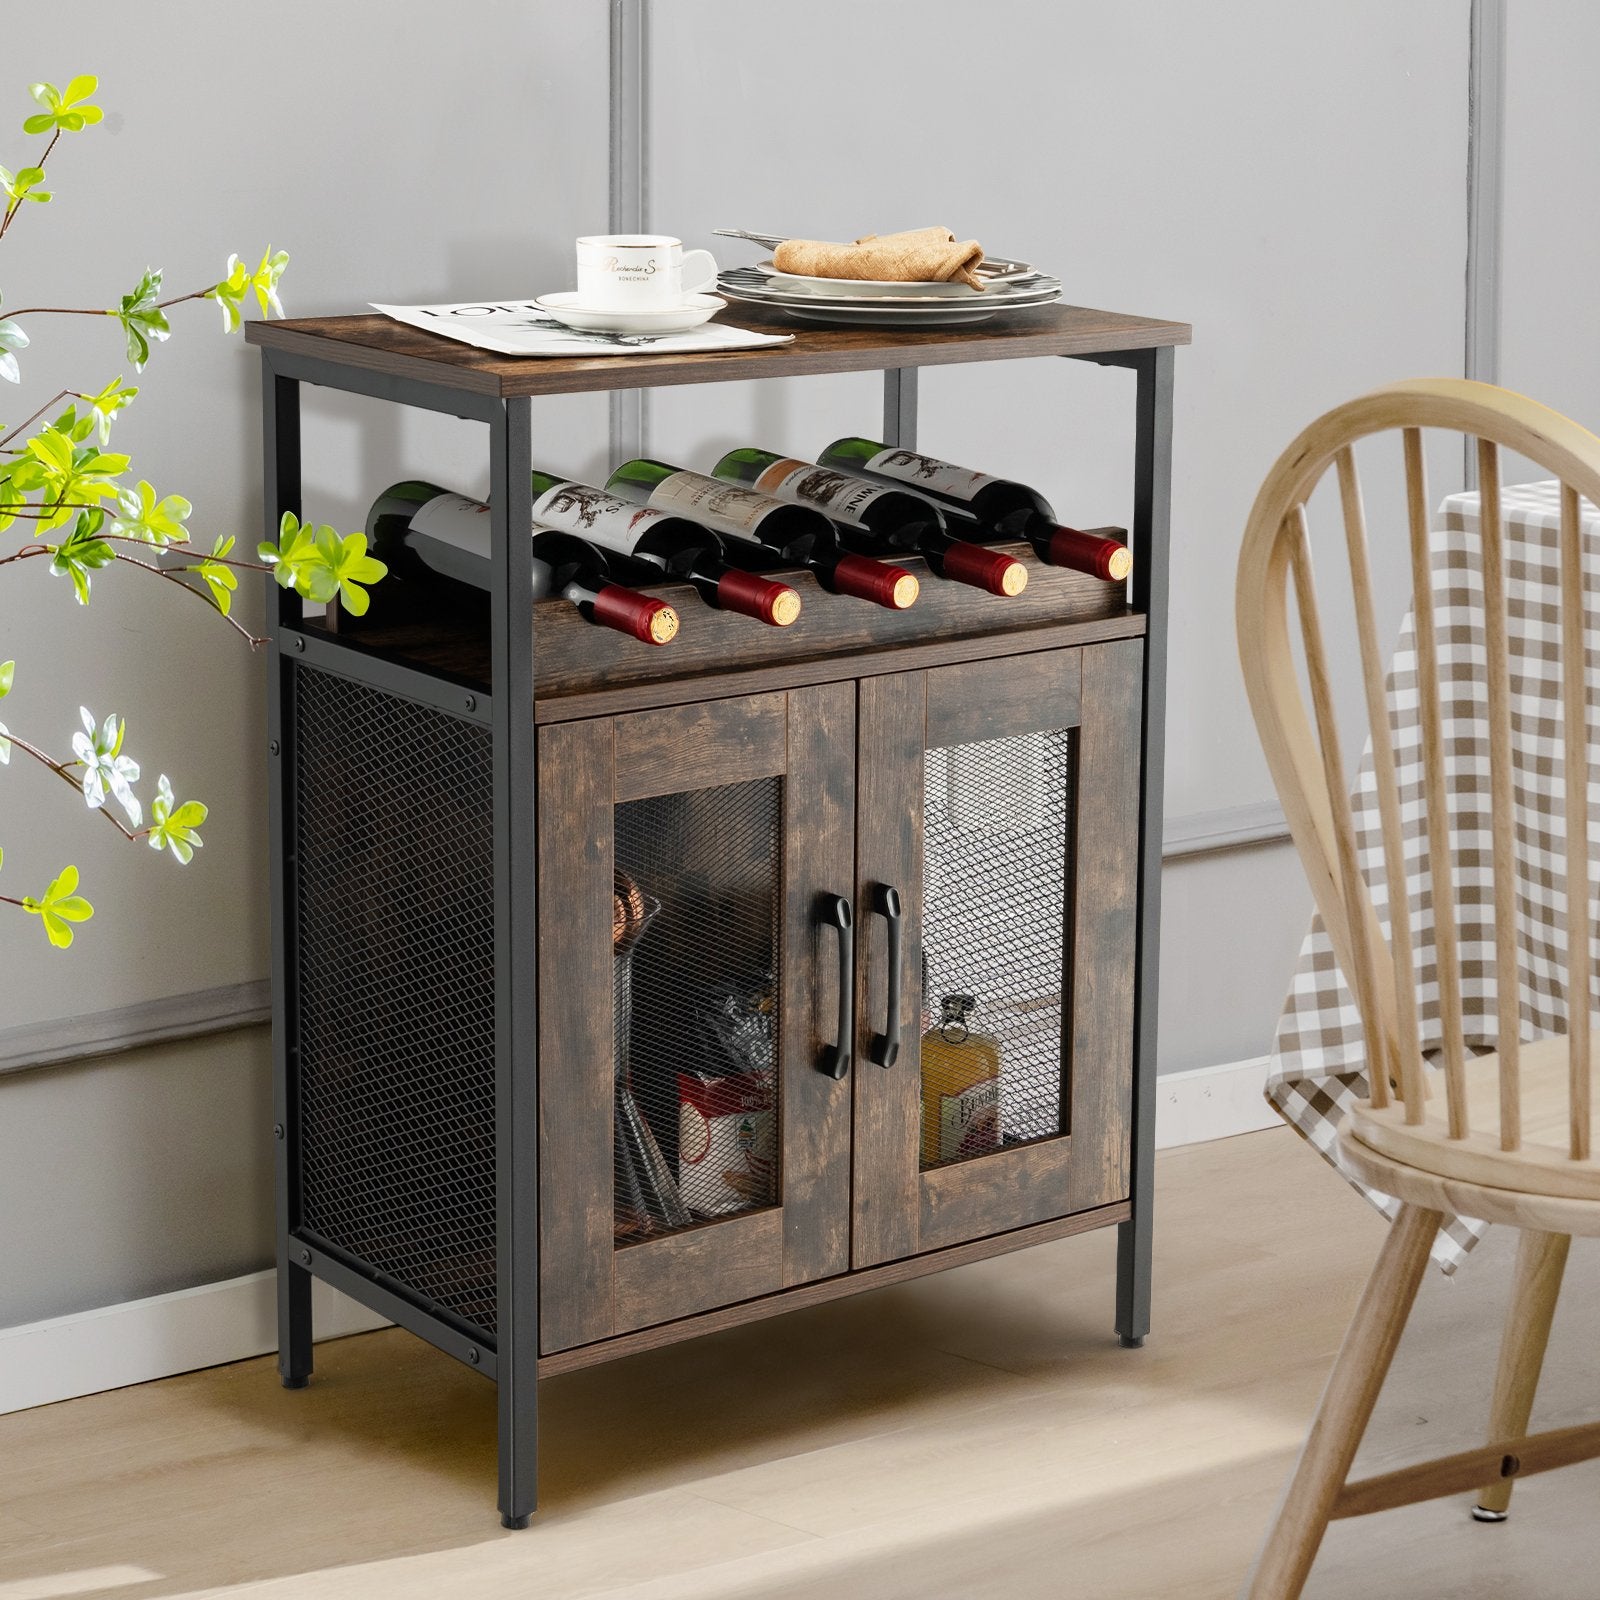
(81, 553)
(141, 516)
(295, 561)
(59, 906)
(23, 184)
(69, 111)
(8, 673)
(141, 318)
(175, 827)
(103, 407)
(353, 568)
(317, 563)
(230, 292)
(12, 338)
(64, 473)
(222, 580)
(264, 280)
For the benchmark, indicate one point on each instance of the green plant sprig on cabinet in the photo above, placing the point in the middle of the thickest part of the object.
(60, 480)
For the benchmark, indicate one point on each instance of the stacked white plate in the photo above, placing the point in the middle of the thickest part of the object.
(882, 304)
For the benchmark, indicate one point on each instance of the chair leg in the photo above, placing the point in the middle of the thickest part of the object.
(1346, 1406)
(1541, 1260)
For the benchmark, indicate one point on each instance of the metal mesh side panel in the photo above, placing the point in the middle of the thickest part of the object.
(997, 821)
(394, 986)
(696, 940)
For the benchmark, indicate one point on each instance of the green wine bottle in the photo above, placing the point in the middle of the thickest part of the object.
(875, 520)
(1003, 508)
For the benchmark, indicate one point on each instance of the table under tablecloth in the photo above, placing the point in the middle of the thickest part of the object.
(1319, 1060)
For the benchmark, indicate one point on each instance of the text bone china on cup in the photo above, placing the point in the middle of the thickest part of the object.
(639, 271)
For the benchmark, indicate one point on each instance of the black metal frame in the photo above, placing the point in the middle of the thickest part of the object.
(511, 1357)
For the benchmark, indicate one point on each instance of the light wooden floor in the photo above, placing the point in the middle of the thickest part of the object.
(971, 1435)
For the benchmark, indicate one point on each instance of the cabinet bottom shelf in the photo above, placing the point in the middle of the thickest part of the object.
(458, 1342)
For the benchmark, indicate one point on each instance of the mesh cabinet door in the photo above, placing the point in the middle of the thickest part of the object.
(693, 1153)
(998, 811)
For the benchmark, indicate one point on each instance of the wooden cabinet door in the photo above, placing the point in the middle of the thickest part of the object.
(999, 801)
(693, 1150)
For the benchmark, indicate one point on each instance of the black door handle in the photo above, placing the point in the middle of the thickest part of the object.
(835, 1059)
(886, 1045)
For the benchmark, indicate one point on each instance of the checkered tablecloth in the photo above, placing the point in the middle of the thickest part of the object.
(1319, 1065)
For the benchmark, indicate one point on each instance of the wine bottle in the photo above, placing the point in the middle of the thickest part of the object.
(960, 1085)
(792, 533)
(873, 520)
(428, 535)
(1002, 507)
(728, 579)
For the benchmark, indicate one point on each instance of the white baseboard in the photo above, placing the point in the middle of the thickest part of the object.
(1213, 1103)
(215, 1323)
(136, 1341)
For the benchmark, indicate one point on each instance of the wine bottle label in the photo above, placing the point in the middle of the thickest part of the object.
(969, 1122)
(595, 514)
(454, 519)
(727, 507)
(923, 472)
(462, 523)
(835, 493)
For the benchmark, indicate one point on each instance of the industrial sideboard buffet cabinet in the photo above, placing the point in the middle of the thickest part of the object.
(606, 977)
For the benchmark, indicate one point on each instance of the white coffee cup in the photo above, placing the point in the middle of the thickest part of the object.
(639, 272)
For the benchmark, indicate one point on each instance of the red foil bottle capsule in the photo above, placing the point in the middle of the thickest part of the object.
(984, 568)
(1104, 558)
(646, 618)
(878, 581)
(754, 596)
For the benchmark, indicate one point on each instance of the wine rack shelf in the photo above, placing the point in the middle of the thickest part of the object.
(622, 994)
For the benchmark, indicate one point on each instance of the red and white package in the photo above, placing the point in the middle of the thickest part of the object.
(726, 1142)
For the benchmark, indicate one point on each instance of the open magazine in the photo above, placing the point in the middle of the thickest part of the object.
(521, 328)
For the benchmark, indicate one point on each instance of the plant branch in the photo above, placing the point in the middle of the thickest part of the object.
(27, 552)
(97, 311)
(254, 641)
(205, 599)
(37, 511)
(39, 413)
(12, 209)
(62, 770)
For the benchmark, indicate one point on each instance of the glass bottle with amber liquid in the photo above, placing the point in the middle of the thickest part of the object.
(960, 1086)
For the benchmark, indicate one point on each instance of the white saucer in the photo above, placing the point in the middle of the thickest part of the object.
(690, 312)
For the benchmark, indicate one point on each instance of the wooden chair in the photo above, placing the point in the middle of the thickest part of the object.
(1509, 1139)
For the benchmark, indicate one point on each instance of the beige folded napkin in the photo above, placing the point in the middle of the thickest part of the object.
(922, 255)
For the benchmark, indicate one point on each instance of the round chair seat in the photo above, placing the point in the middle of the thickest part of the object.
(1541, 1164)
(1538, 1212)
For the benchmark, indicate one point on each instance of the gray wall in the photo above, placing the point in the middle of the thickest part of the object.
(1289, 179)
(416, 152)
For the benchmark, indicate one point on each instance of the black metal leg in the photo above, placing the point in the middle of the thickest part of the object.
(1152, 514)
(280, 405)
(515, 963)
(294, 1323)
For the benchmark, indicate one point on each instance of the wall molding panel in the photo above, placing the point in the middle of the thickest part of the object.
(139, 1340)
(246, 1005)
(103, 1033)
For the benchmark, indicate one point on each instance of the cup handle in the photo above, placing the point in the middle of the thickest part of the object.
(699, 271)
